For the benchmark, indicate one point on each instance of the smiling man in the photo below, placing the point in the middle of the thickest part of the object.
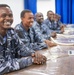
(27, 34)
(42, 28)
(11, 48)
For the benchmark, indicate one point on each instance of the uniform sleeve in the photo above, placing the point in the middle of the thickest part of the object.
(25, 62)
(38, 36)
(38, 46)
(59, 25)
(22, 49)
(46, 31)
(39, 39)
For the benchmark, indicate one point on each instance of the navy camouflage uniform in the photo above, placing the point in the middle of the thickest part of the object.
(11, 52)
(43, 29)
(30, 38)
(54, 26)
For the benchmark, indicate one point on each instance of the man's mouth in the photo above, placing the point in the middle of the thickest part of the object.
(31, 23)
(7, 23)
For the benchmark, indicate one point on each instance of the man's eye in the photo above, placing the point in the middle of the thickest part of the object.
(4, 15)
(10, 15)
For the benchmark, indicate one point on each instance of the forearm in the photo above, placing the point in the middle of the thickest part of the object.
(25, 51)
(15, 64)
(46, 36)
(39, 46)
(25, 62)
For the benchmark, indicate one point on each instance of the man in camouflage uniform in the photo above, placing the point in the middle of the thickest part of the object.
(11, 48)
(53, 23)
(38, 24)
(27, 34)
(42, 28)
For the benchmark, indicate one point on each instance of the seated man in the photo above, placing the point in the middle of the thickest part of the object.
(11, 48)
(53, 23)
(38, 24)
(58, 24)
(31, 38)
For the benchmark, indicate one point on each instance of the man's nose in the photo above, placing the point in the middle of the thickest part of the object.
(32, 19)
(7, 17)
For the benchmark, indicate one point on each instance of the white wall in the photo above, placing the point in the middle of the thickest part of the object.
(16, 6)
(45, 5)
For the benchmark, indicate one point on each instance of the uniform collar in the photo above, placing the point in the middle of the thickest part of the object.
(25, 29)
(2, 40)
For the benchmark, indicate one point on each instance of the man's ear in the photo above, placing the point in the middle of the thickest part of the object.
(47, 15)
(21, 18)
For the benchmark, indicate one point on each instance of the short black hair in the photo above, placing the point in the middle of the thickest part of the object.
(4, 5)
(25, 11)
(38, 13)
(49, 11)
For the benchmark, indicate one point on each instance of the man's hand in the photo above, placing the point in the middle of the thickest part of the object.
(50, 43)
(62, 28)
(38, 58)
(53, 34)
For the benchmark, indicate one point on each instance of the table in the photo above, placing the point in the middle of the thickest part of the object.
(59, 62)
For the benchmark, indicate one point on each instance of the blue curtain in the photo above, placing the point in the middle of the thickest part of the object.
(31, 5)
(65, 8)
